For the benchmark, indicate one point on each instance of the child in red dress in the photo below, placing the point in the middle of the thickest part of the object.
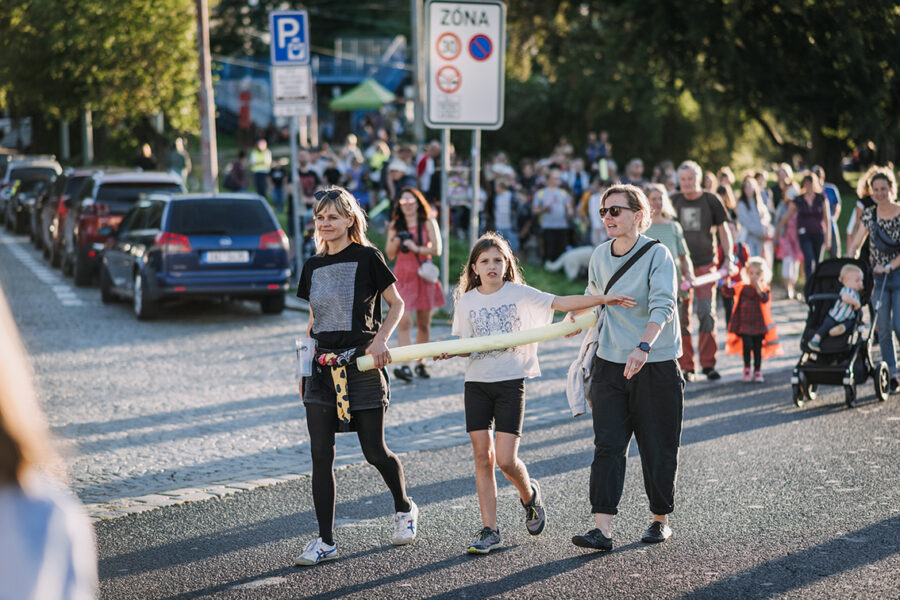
(751, 330)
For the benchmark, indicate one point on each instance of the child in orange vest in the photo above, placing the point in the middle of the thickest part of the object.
(751, 330)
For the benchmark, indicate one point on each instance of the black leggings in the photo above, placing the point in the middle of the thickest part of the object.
(320, 421)
(752, 343)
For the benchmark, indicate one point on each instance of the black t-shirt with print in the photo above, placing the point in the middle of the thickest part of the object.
(344, 293)
(699, 218)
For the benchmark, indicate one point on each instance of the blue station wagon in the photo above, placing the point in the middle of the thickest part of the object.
(193, 245)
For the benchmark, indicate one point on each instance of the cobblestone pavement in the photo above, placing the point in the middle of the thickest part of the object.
(202, 402)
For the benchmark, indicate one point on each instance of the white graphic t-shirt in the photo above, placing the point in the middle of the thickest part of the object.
(514, 307)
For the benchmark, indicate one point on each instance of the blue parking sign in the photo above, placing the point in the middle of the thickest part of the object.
(289, 31)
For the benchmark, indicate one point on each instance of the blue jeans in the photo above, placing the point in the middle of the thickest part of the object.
(888, 318)
(278, 199)
(811, 245)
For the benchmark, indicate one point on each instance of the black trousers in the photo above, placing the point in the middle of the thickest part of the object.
(650, 406)
(320, 421)
(752, 345)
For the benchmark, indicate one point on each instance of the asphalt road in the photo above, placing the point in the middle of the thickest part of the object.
(166, 423)
(772, 502)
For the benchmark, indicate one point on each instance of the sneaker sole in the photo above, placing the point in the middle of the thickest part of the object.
(471, 550)
(402, 541)
(303, 563)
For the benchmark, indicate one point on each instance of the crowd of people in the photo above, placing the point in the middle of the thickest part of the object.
(709, 220)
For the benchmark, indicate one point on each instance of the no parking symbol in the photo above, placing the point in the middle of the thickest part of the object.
(480, 47)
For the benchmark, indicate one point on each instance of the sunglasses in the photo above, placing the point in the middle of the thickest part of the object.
(327, 194)
(408, 201)
(615, 211)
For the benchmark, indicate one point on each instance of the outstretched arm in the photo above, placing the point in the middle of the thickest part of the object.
(582, 303)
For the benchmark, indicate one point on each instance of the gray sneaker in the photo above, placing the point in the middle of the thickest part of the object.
(535, 518)
(486, 540)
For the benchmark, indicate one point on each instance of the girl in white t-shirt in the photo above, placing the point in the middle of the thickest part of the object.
(493, 299)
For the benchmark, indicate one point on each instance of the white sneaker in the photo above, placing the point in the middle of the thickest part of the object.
(316, 552)
(406, 524)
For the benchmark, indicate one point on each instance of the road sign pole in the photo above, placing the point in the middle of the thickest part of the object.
(476, 186)
(295, 195)
(445, 208)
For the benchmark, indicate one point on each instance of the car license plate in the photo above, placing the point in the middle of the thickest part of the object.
(228, 256)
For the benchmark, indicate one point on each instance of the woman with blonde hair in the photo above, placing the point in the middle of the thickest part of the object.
(345, 283)
(754, 219)
(47, 545)
(667, 230)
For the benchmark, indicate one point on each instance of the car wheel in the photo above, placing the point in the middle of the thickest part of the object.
(81, 271)
(53, 255)
(144, 308)
(106, 294)
(272, 305)
(65, 263)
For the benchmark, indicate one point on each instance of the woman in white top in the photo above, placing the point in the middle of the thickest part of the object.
(47, 548)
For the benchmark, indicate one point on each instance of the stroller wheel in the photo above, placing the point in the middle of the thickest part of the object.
(882, 382)
(811, 390)
(850, 395)
(799, 398)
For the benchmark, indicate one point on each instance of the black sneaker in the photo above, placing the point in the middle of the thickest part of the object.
(656, 533)
(403, 373)
(895, 385)
(422, 372)
(689, 375)
(593, 539)
(535, 518)
(711, 373)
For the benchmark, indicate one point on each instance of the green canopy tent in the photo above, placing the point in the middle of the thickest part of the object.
(368, 95)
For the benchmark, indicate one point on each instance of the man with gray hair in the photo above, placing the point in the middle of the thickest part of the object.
(705, 224)
(634, 173)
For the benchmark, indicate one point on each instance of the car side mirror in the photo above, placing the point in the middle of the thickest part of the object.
(107, 231)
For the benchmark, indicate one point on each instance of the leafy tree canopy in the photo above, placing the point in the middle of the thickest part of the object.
(124, 60)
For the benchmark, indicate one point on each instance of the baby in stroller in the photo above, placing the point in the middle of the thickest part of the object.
(842, 316)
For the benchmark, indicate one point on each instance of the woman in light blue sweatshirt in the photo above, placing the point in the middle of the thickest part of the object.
(637, 385)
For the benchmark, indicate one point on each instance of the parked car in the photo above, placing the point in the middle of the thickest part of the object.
(23, 170)
(29, 198)
(195, 245)
(54, 212)
(102, 201)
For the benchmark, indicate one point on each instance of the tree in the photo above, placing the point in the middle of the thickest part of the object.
(816, 76)
(124, 60)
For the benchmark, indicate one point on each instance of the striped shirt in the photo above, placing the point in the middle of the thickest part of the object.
(841, 311)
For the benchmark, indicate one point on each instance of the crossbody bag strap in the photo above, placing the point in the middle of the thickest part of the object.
(621, 271)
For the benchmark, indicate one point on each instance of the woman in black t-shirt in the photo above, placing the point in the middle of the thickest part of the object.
(344, 284)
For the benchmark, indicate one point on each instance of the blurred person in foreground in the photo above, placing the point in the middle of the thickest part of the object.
(47, 548)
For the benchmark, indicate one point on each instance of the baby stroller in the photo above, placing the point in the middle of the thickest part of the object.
(845, 359)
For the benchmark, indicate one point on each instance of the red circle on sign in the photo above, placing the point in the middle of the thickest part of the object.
(448, 79)
(448, 46)
(480, 47)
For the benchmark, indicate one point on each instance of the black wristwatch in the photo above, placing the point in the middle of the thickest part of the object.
(644, 346)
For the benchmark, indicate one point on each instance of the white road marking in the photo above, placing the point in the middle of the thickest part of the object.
(64, 293)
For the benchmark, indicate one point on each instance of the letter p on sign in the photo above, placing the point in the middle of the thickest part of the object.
(290, 37)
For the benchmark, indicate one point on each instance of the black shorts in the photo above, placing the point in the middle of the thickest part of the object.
(499, 402)
(367, 389)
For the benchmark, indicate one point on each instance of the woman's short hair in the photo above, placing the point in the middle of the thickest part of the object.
(637, 201)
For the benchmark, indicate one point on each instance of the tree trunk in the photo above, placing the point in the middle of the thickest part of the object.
(827, 152)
